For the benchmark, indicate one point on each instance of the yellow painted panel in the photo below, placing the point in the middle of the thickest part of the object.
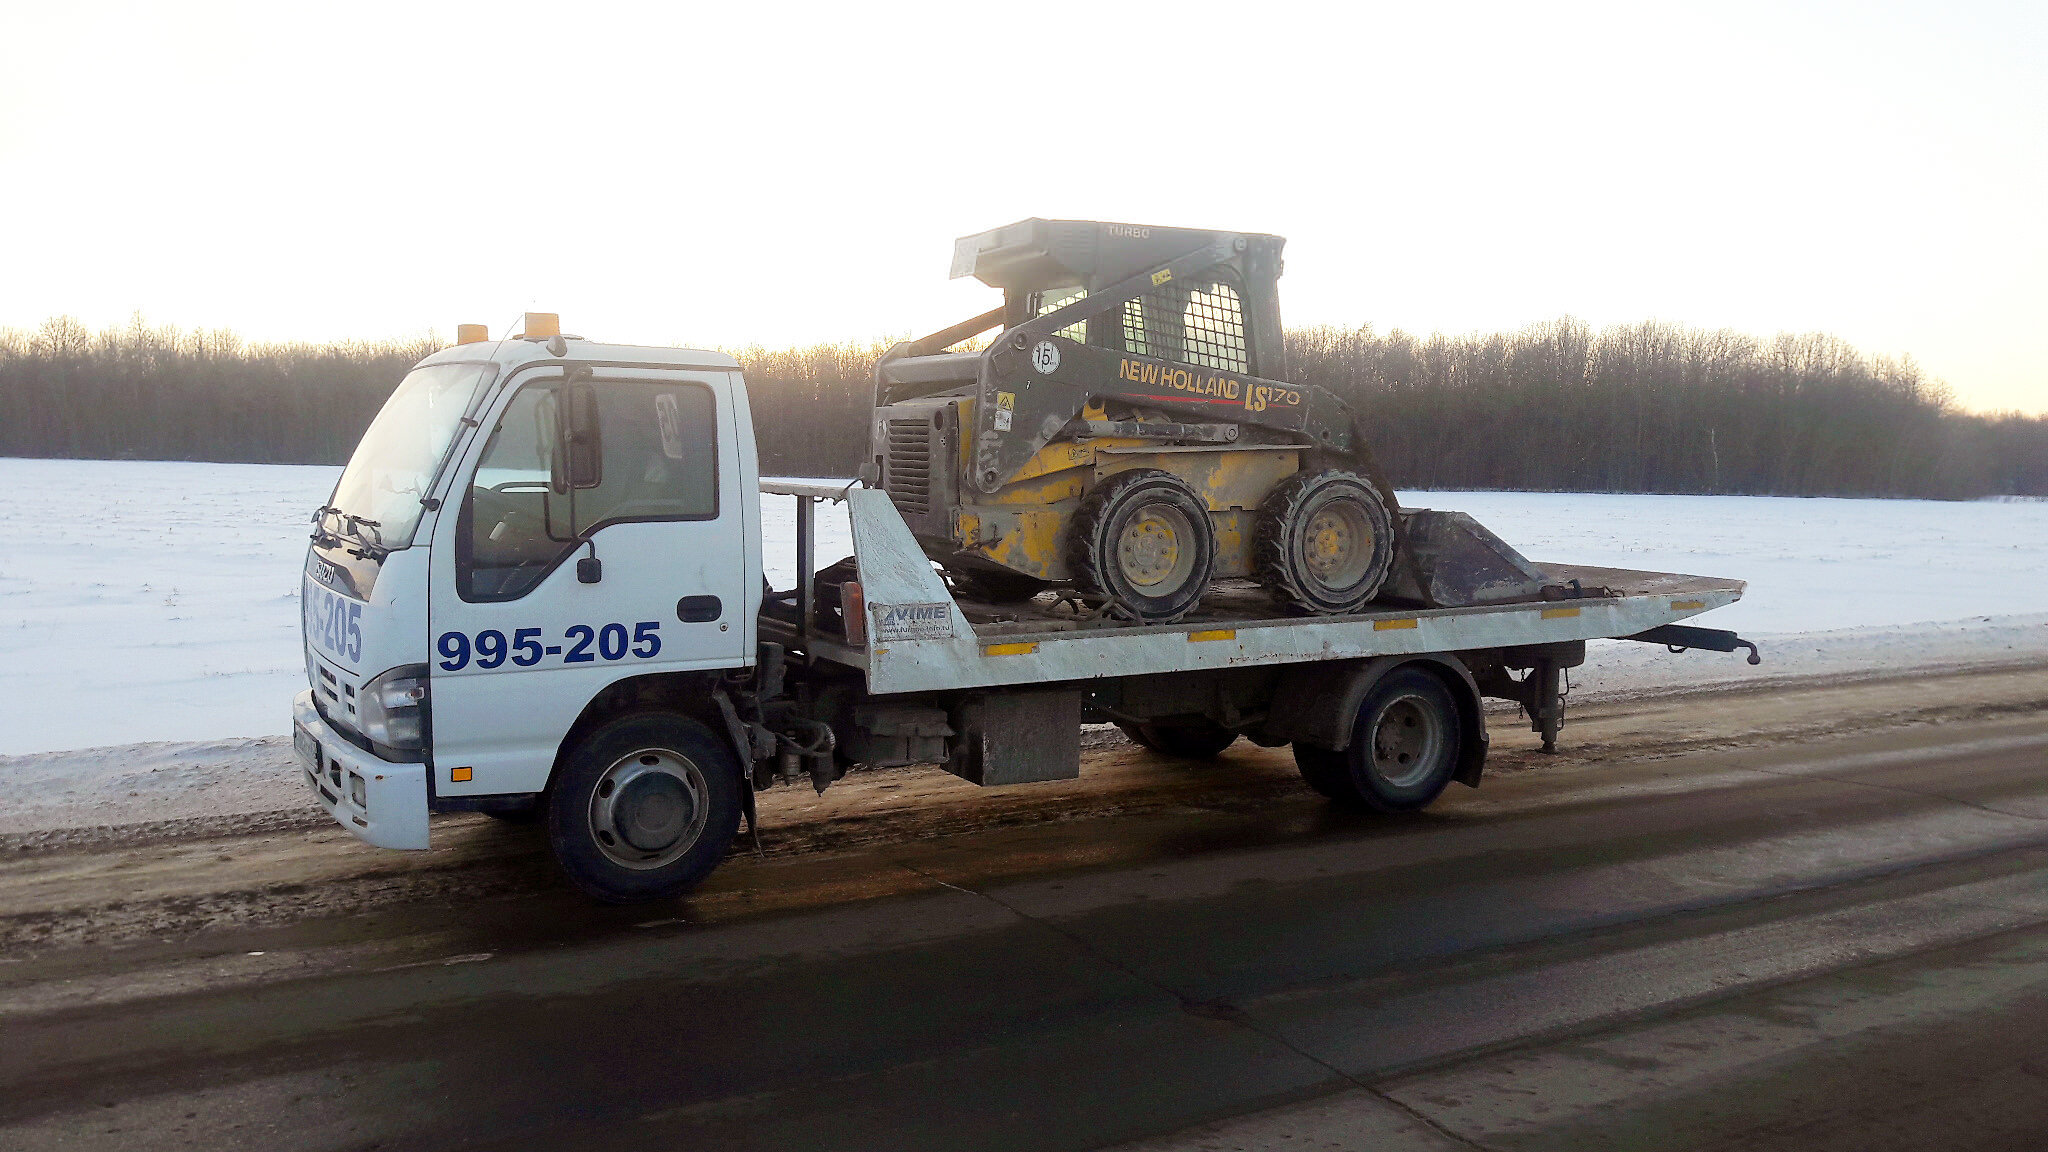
(1559, 613)
(1233, 543)
(1226, 478)
(1395, 625)
(1025, 649)
(1213, 634)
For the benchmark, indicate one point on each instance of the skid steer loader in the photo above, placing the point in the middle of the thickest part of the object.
(1130, 432)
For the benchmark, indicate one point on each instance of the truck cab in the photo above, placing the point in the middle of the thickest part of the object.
(536, 536)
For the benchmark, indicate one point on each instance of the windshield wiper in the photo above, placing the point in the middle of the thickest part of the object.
(364, 547)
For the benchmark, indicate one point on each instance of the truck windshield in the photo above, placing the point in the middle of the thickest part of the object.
(378, 499)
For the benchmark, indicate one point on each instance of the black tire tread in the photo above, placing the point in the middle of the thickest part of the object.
(1097, 508)
(1339, 776)
(584, 865)
(1273, 560)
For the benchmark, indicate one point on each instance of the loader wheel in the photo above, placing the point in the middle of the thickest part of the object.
(996, 587)
(1199, 740)
(1325, 543)
(643, 807)
(1404, 747)
(1142, 541)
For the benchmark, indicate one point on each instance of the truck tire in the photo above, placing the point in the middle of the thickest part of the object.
(643, 807)
(1142, 541)
(1404, 747)
(996, 587)
(1202, 740)
(1325, 543)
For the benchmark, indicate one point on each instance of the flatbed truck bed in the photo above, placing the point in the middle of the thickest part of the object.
(925, 639)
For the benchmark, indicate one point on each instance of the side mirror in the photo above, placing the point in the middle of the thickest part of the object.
(580, 461)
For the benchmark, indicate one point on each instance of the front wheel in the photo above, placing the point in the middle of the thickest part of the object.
(1404, 747)
(645, 806)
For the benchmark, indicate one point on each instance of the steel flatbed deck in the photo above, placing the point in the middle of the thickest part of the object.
(920, 638)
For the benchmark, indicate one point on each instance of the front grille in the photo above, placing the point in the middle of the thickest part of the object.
(335, 697)
(909, 471)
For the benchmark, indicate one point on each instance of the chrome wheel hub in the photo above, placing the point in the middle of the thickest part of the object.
(648, 808)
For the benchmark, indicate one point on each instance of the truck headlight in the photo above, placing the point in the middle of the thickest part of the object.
(392, 709)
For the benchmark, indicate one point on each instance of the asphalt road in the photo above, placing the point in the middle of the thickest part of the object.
(1839, 943)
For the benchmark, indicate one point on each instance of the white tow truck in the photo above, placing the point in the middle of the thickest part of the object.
(537, 592)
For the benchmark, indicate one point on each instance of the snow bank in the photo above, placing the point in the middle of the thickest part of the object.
(144, 601)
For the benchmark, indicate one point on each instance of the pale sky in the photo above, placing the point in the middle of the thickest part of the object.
(736, 173)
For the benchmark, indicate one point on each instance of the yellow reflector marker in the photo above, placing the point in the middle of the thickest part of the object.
(1687, 605)
(1394, 625)
(1559, 613)
(460, 775)
(542, 325)
(1212, 634)
(471, 333)
(1009, 649)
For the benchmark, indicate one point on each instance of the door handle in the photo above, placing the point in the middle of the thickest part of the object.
(699, 609)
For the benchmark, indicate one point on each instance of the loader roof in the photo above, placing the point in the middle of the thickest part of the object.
(1033, 255)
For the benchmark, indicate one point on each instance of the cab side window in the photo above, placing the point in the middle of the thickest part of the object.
(565, 460)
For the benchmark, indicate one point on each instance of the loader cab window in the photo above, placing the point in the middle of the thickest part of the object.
(1056, 298)
(567, 460)
(1198, 322)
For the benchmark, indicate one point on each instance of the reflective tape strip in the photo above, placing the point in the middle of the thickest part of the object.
(1009, 649)
(1559, 613)
(1687, 605)
(1394, 625)
(1212, 634)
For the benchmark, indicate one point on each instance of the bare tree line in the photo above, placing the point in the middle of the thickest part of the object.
(1556, 406)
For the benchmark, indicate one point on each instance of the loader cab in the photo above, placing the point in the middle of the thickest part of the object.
(1224, 316)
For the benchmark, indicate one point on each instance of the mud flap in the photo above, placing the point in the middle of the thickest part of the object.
(1018, 737)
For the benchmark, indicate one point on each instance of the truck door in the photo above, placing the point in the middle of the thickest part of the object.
(525, 629)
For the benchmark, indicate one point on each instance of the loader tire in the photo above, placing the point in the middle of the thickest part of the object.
(996, 587)
(1325, 543)
(1142, 541)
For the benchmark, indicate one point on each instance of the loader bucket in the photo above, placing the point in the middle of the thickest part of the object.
(1452, 561)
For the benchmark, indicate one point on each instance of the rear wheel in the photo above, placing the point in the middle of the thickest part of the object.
(1188, 740)
(1142, 541)
(645, 806)
(1404, 746)
(1325, 543)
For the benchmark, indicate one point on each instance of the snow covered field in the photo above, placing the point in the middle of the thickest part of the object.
(159, 601)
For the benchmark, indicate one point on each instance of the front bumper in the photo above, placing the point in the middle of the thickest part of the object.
(382, 803)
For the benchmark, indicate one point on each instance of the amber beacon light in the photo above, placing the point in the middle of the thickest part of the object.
(471, 333)
(542, 326)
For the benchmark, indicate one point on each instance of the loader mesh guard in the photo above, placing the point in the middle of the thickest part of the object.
(1199, 322)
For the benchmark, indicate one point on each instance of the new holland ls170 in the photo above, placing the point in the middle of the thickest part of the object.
(1132, 433)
